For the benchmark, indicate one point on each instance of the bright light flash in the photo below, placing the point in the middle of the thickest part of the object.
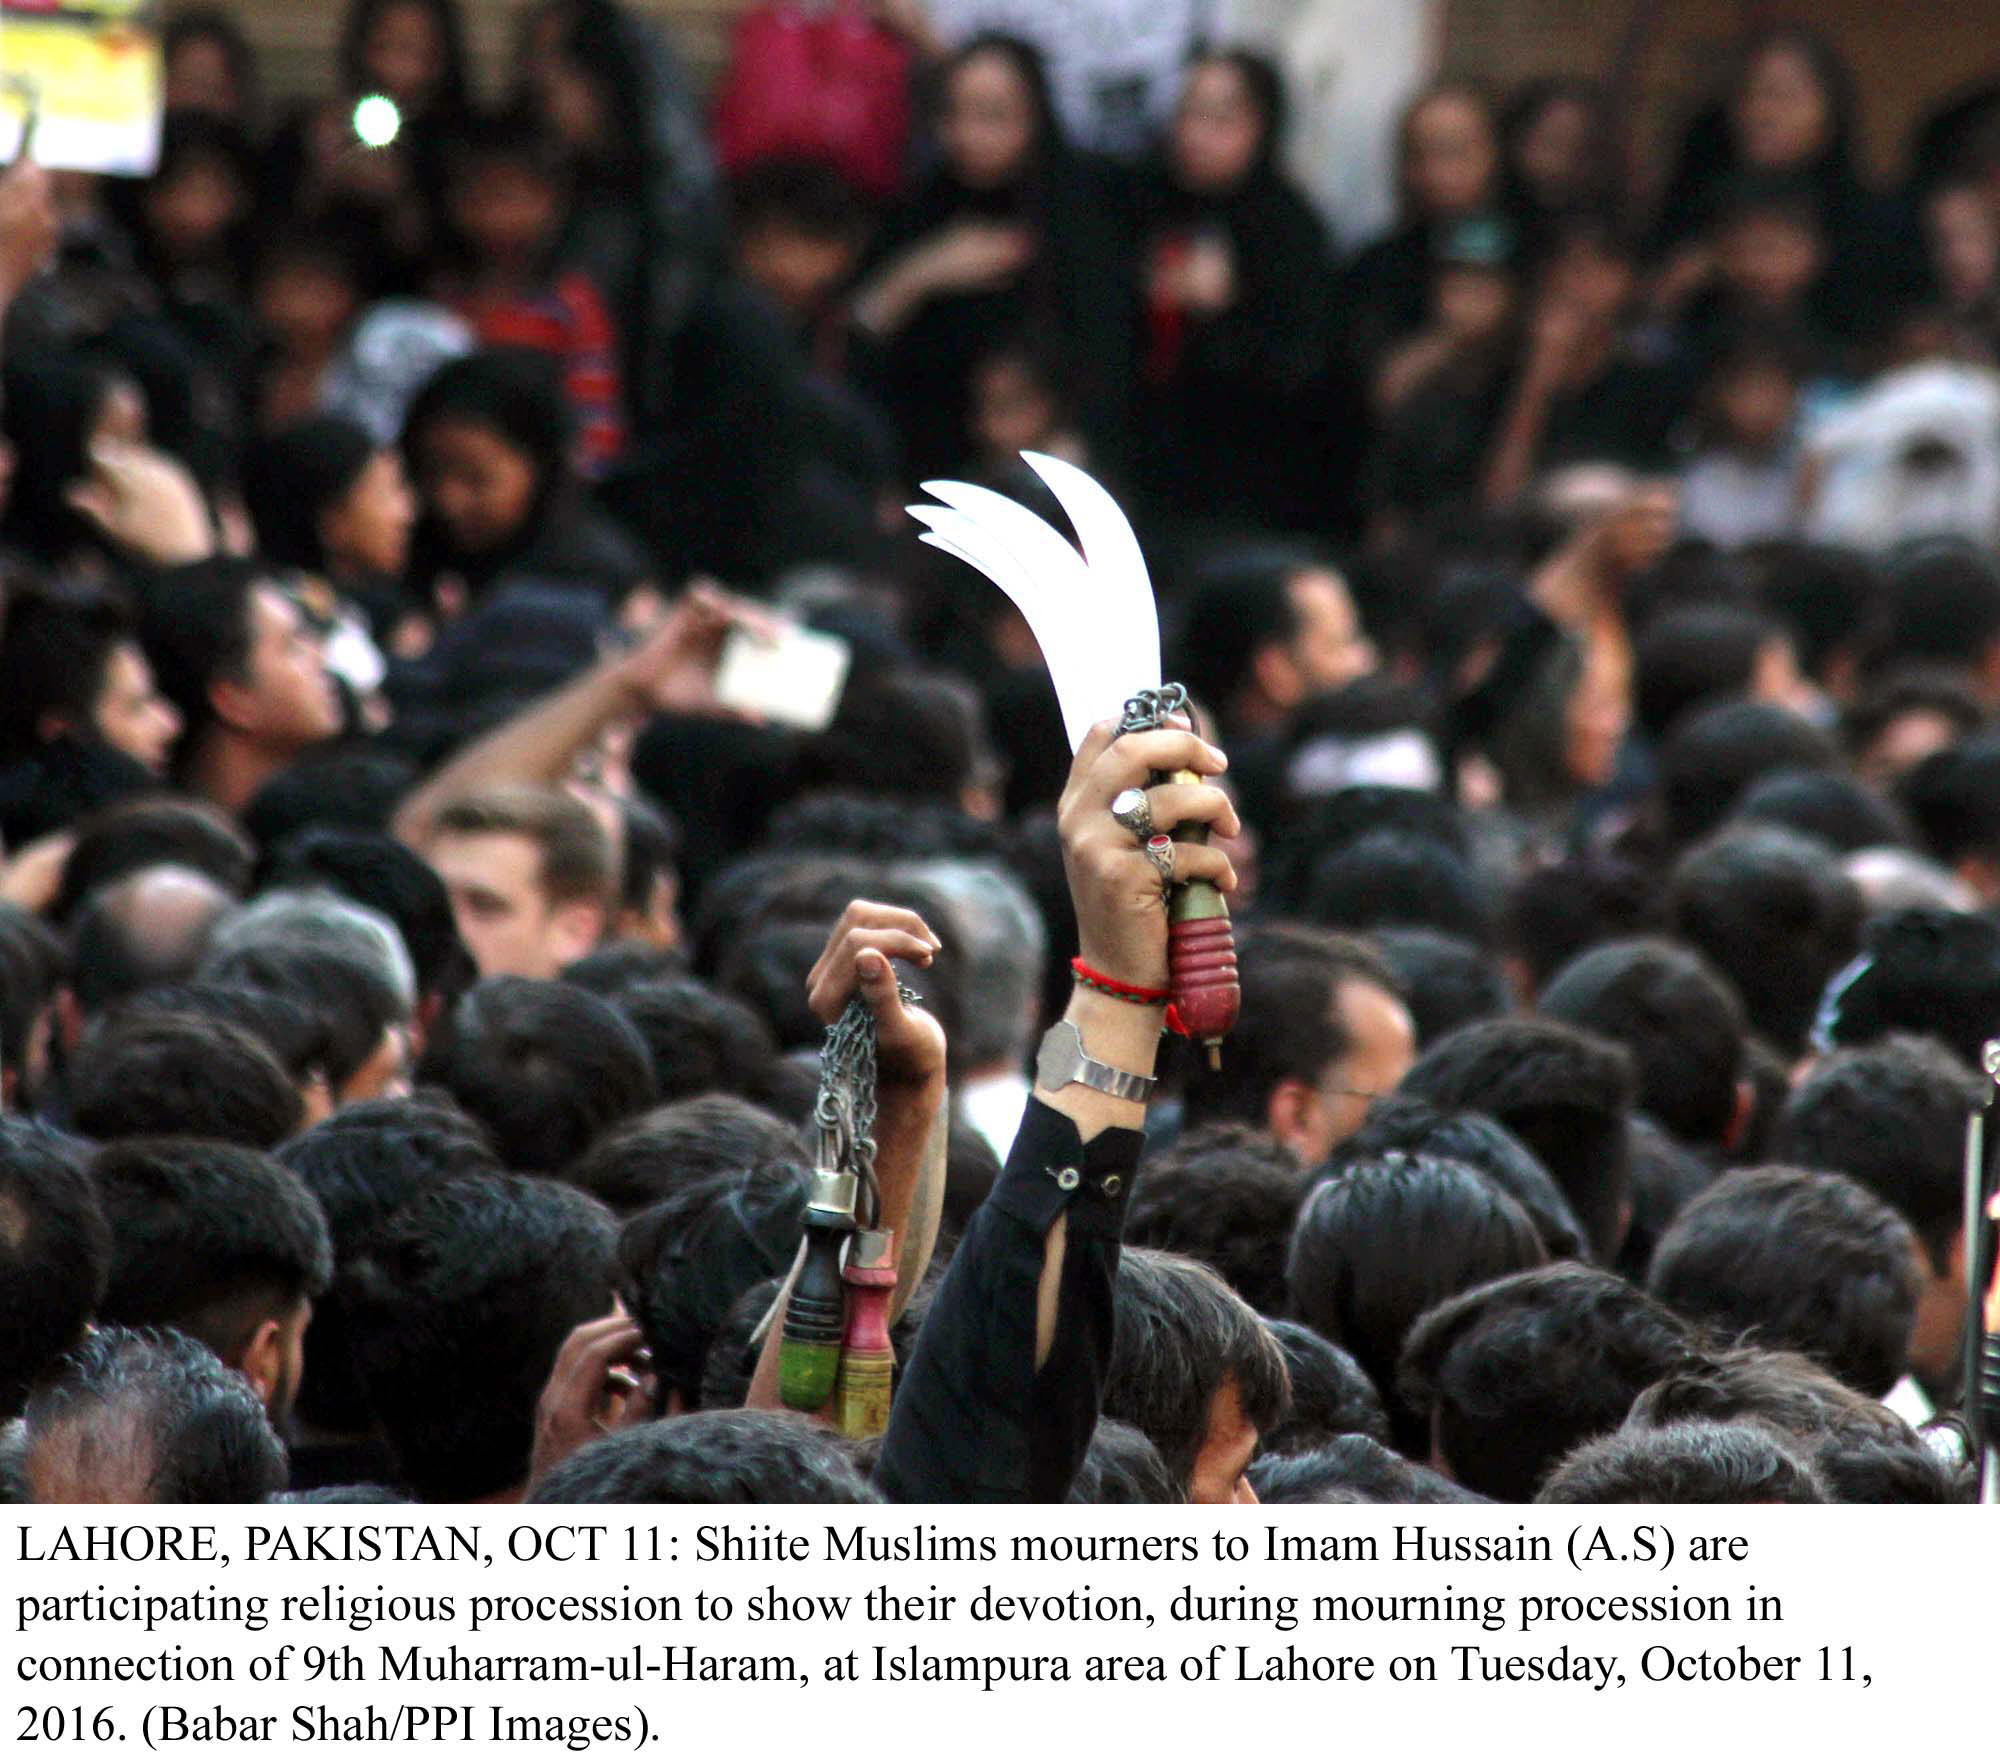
(377, 121)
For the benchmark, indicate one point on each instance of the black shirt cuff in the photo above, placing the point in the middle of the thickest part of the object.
(1050, 1171)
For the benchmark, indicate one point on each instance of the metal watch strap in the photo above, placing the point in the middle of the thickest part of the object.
(1063, 1061)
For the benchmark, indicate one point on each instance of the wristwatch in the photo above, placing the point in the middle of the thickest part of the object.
(1063, 1061)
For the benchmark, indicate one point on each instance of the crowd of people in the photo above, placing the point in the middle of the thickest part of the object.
(413, 977)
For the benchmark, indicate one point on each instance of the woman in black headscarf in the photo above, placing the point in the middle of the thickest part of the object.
(1013, 234)
(1234, 298)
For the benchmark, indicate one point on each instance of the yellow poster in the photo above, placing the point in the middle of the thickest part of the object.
(86, 79)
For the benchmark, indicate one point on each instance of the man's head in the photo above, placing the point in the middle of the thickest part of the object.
(1731, 1463)
(671, 1148)
(1353, 1471)
(1195, 1370)
(531, 876)
(137, 834)
(797, 227)
(55, 1253)
(1330, 1394)
(1892, 1117)
(456, 1308)
(1681, 1022)
(735, 1457)
(1776, 915)
(1226, 1195)
(1448, 981)
(1322, 1033)
(152, 926)
(1563, 1092)
(543, 1066)
(236, 660)
(1517, 1373)
(1265, 629)
(1944, 611)
(144, 1072)
(1921, 971)
(1398, 876)
(147, 1415)
(1716, 753)
(1451, 1230)
(220, 1242)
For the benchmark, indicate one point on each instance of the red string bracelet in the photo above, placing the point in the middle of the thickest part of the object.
(1117, 988)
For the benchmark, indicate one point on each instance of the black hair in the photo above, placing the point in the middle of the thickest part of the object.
(1826, 805)
(544, 1066)
(680, 1143)
(1226, 1195)
(1954, 797)
(1447, 981)
(49, 410)
(625, 964)
(1558, 909)
(344, 789)
(1715, 753)
(811, 197)
(1944, 604)
(53, 666)
(361, 1164)
(701, 1041)
(908, 735)
(1330, 1394)
(1181, 1335)
(736, 1458)
(117, 949)
(1410, 1124)
(141, 1073)
(1517, 1373)
(1564, 1092)
(1921, 971)
(160, 829)
(1353, 1470)
(453, 95)
(1324, 824)
(195, 626)
(1892, 1116)
(1236, 603)
(294, 1032)
(1679, 1019)
(55, 1253)
(1666, 1175)
(1829, 597)
(1289, 1025)
(148, 1415)
(376, 871)
(1776, 915)
(456, 1307)
(1393, 877)
(1797, 1259)
(210, 1238)
(1121, 1468)
(291, 479)
(350, 1004)
(730, 1364)
(1912, 691)
(1455, 1230)
(1733, 1463)
(1693, 653)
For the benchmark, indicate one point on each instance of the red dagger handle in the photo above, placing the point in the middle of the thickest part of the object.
(1201, 950)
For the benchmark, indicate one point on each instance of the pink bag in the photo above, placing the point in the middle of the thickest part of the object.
(816, 81)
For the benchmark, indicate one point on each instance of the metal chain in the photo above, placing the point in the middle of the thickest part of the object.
(844, 1110)
(1151, 707)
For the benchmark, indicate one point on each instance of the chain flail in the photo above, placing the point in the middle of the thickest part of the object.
(844, 1110)
(1151, 707)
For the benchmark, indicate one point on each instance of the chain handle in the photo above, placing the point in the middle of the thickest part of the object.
(844, 1110)
(1151, 707)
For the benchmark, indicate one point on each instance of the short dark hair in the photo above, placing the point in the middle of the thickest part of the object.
(1891, 1116)
(1330, 1394)
(1716, 753)
(1455, 1230)
(1944, 604)
(1825, 805)
(543, 1066)
(1776, 915)
(1519, 1372)
(1288, 1026)
(361, 1164)
(577, 860)
(119, 948)
(148, 1415)
(1921, 971)
(456, 1307)
(806, 195)
(55, 1253)
(376, 871)
(1122, 1468)
(1829, 597)
(1561, 908)
(344, 789)
(54, 664)
(1693, 653)
(734, 1457)
(1410, 1124)
(1797, 1259)
(1180, 1336)
(195, 626)
(1563, 1091)
(1448, 981)
(1236, 603)
(1394, 877)
(1353, 1470)
(142, 1073)
(349, 1005)
(1226, 1195)
(209, 1238)
(674, 1147)
(1679, 1019)
(148, 830)
(701, 1041)
(1692, 1462)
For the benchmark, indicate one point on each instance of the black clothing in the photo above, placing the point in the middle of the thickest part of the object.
(974, 1420)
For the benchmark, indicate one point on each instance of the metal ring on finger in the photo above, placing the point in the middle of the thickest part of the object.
(1133, 810)
(1160, 853)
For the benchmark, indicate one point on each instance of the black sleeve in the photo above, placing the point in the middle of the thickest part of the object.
(973, 1419)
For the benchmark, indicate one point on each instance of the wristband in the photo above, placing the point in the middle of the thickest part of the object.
(1144, 995)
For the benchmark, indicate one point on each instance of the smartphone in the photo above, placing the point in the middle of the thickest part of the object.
(794, 677)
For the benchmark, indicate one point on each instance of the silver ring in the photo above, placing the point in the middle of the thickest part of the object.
(1133, 811)
(1160, 853)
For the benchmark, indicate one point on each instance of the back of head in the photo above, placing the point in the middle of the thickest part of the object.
(543, 1066)
(677, 1146)
(456, 1308)
(196, 628)
(1735, 1463)
(1353, 1471)
(1003, 942)
(1921, 971)
(293, 477)
(1453, 1230)
(1825, 805)
(1181, 1337)
(1713, 755)
(1563, 1092)
(701, 1041)
(143, 1073)
(1691, 654)
(1237, 603)
(1775, 914)
(345, 790)
(159, 829)
(1447, 981)
(1796, 1259)
(1681, 1022)
(1394, 877)
(1331, 1395)
(1558, 910)
(1517, 1373)
(147, 928)
(376, 871)
(1944, 605)
(1891, 1116)
(322, 922)
(736, 1457)
(55, 1253)
(1953, 795)
(153, 1416)
(1122, 1468)
(1225, 1195)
